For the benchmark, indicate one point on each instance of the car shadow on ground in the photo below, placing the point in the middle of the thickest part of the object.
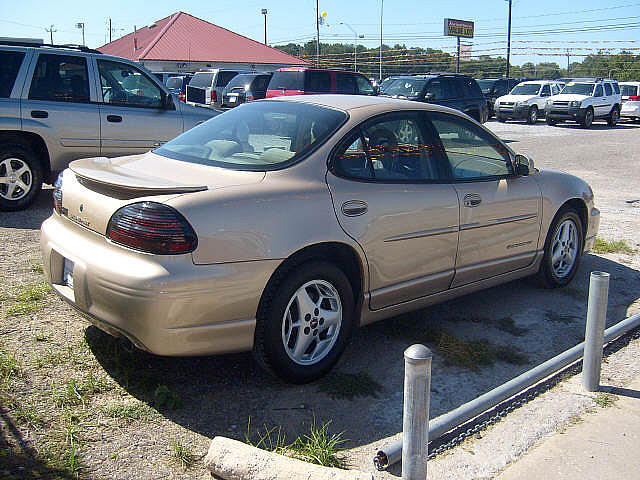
(598, 126)
(32, 217)
(218, 395)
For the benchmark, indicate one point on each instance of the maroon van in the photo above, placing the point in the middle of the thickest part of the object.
(309, 81)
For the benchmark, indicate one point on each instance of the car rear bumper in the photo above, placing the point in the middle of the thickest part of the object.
(630, 109)
(163, 304)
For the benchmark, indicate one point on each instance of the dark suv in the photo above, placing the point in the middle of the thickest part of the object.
(308, 81)
(245, 87)
(493, 88)
(460, 92)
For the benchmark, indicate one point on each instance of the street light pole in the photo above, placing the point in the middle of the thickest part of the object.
(355, 45)
(509, 39)
(81, 25)
(381, 10)
(317, 33)
(264, 12)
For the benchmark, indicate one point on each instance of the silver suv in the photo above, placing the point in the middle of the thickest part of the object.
(58, 104)
(584, 100)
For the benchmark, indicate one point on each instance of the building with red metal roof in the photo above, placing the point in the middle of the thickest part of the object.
(184, 43)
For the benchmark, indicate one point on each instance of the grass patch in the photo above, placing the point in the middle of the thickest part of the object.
(49, 359)
(9, 366)
(29, 298)
(507, 324)
(573, 420)
(36, 268)
(164, 397)
(317, 446)
(556, 317)
(612, 246)
(473, 353)
(130, 411)
(604, 400)
(349, 385)
(72, 392)
(182, 454)
(28, 415)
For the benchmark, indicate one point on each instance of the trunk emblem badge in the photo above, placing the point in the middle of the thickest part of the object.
(81, 207)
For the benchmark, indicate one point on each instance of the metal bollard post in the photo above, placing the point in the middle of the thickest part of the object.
(415, 418)
(594, 334)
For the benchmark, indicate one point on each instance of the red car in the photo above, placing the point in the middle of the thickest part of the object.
(308, 81)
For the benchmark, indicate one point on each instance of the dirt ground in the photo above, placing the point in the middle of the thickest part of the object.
(75, 402)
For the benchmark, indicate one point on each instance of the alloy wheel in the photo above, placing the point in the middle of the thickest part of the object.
(564, 249)
(311, 322)
(16, 179)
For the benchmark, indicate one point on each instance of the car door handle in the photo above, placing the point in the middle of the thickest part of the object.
(472, 200)
(354, 208)
(114, 118)
(39, 114)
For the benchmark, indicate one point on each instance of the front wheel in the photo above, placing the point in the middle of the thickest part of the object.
(587, 121)
(533, 115)
(20, 177)
(304, 322)
(614, 117)
(562, 250)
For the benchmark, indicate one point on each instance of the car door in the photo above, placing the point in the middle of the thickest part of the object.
(58, 106)
(499, 211)
(609, 98)
(545, 93)
(386, 184)
(599, 101)
(133, 118)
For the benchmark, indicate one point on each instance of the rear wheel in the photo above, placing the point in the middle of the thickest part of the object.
(304, 322)
(614, 117)
(533, 115)
(587, 121)
(20, 177)
(562, 250)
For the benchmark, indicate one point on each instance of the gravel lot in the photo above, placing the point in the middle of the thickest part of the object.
(211, 396)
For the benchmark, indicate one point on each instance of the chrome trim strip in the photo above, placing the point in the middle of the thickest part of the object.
(498, 221)
(421, 234)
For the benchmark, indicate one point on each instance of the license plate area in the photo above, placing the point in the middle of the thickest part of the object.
(67, 273)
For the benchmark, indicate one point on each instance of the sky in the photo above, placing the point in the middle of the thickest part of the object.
(540, 28)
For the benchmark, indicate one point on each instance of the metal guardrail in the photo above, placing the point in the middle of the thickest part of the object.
(598, 294)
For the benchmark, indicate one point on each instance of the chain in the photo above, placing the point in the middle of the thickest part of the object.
(493, 416)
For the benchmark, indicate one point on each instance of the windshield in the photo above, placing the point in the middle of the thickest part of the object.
(628, 90)
(578, 88)
(174, 82)
(526, 89)
(202, 80)
(486, 85)
(405, 87)
(257, 136)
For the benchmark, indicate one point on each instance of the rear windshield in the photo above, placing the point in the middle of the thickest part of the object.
(405, 87)
(629, 90)
(174, 82)
(526, 89)
(202, 80)
(257, 136)
(578, 88)
(240, 81)
(287, 81)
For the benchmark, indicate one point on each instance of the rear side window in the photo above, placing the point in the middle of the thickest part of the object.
(607, 89)
(201, 80)
(546, 91)
(616, 88)
(319, 82)
(174, 82)
(346, 83)
(364, 85)
(60, 78)
(442, 88)
(260, 83)
(224, 78)
(9, 65)
(288, 80)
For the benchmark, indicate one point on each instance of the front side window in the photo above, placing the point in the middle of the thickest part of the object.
(175, 82)
(224, 78)
(405, 87)
(346, 83)
(441, 89)
(486, 86)
(555, 89)
(598, 91)
(546, 91)
(472, 152)
(364, 85)
(9, 65)
(390, 148)
(60, 78)
(125, 85)
(607, 89)
(256, 136)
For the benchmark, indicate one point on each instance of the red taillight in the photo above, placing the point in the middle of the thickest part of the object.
(182, 97)
(152, 227)
(214, 95)
(250, 98)
(634, 98)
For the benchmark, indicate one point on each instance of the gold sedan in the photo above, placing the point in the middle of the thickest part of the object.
(282, 225)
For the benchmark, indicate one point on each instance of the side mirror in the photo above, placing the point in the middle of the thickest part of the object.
(429, 96)
(523, 165)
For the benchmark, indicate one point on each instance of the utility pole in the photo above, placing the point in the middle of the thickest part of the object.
(264, 12)
(51, 30)
(317, 33)
(110, 30)
(568, 64)
(81, 25)
(509, 39)
(381, 11)
(458, 56)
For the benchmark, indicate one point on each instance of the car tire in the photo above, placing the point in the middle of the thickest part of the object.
(532, 117)
(293, 310)
(587, 121)
(20, 176)
(614, 117)
(501, 119)
(565, 238)
(551, 121)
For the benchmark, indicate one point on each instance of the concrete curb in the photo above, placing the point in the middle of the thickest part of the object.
(233, 460)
